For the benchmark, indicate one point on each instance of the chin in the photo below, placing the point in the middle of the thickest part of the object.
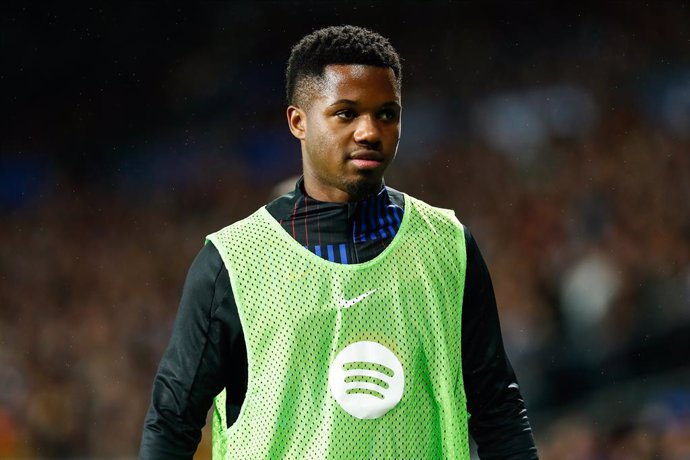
(364, 187)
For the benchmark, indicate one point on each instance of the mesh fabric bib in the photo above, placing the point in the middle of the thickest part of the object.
(356, 361)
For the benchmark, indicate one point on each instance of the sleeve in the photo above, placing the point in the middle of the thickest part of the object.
(498, 419)
(197, 363)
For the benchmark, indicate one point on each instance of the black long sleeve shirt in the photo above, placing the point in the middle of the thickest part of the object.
(207, 351)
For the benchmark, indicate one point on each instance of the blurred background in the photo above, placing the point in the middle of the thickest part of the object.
(560, 136)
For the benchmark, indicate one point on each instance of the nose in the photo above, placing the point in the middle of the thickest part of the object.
(367, 131)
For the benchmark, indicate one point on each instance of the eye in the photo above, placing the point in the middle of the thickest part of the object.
(388, 115)
(346, 114)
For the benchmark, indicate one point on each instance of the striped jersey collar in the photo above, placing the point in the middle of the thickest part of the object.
(352, 232)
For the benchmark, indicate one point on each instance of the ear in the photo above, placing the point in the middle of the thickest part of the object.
(297, 120)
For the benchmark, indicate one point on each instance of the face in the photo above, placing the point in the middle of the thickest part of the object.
(349, 133)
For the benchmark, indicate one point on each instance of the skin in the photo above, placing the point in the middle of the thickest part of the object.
(349, 131)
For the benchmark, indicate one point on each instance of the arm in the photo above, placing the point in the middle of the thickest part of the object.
(498, 422)
(194, 368)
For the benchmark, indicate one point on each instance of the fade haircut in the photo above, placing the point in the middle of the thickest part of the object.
(335, 45)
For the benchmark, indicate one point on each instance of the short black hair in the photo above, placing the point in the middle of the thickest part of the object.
(337, 45)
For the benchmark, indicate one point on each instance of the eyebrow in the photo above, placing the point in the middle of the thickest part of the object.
(350, 102)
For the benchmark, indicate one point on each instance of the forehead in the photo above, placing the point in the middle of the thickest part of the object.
(359, 83)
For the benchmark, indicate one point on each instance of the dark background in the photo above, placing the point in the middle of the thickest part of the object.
(560, 134)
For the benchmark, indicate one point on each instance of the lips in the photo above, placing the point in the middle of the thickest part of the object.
(366, 159)
(370, 155)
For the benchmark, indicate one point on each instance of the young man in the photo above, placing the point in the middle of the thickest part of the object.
(344, 320)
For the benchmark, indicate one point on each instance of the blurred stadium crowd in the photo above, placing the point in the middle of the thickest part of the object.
(565, 148)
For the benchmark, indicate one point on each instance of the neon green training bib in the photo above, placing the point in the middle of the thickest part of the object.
(358, 361)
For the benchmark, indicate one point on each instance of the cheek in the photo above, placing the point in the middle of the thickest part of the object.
(316, 143)
(390, 139)
(318, 147)
(324, 141)
(395, 133)
(317, 132)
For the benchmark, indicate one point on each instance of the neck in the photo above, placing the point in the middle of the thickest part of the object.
(331, 194)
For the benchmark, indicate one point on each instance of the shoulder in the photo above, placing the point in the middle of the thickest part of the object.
(239, 226)
(204, 282)
(428, 211)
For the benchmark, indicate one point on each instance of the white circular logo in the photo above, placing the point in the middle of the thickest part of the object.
(366, 379)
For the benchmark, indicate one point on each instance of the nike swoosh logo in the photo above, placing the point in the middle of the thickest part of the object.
(344, 303)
